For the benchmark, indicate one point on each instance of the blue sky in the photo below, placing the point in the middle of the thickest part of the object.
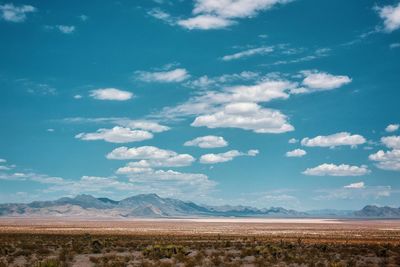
(262, 103)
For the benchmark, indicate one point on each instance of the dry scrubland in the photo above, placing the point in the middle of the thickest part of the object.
(56, 242)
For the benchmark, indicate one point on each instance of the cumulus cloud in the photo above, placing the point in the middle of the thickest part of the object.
(390, 16)
(3, 160)
(320, 81)
(208, 141)
(392, 128)
(116, 135)
(227, 156)
(168, 76)
(338, 139)
(359, 185)
(247, 53)
(296, 153)
(293, 141)
(31, 176)
(337, 170)
(12, 13)
(205, 22)
(391, 141)
(154, 156)
(146, 125)
(211, 14)
(387, 160)
(247, 116)
(111, 94)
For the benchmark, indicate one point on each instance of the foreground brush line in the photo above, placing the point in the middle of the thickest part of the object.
(50, 250)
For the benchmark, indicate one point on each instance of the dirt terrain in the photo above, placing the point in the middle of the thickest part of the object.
(198, 242)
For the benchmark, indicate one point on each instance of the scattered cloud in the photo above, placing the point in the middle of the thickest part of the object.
(359, 185)
(227, 156)
(296, 153)
(12, 13)
(293, 141)
(205, 82)
(168, 76)
(247, 116)
(205, 22)
(338, 139)
(210, 14)
(78, 96)
(392, 128)
(356, 191)
(337, 170)
(154, 156)
(3, 160)
(111, 94)
(65, 29)
(387, 160)
(209, 141)
(319, 81)
(248, 53)
(390, 16)
(116, 135)
(391, 141)
(146, 125)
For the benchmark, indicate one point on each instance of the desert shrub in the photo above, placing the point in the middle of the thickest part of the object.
(48, 263)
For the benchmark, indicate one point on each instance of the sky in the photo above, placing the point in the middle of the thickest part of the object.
(262, 103)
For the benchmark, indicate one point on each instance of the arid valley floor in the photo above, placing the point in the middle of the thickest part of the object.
(199, 242)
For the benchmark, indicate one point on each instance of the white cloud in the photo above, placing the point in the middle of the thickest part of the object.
(210, 14)
(205, 22)
(204, 82)
(34, 177)
(317, 81)
(234, 8)
(337, 170)
(146, 165)
(389, 160)
(78, 96)
(169, 76)
(12, 13)
(227, 156)
(296, 153)
(3, 160)
(152, 156)
(67, 29)
(161, 15)
(144, 125)
(355, 192)
(392, 128)
(359, 185)
(247, 53)
(390, 16)
(391, 141)
(209, 141)
(207, 102)
(248, 116)
(116, 135)
(293, 141)
(338, 139)
(111, 94)
(4, 168)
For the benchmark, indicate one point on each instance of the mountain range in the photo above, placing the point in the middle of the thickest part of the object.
(154, 206)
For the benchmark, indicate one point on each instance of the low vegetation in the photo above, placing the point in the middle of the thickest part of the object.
(163, 250)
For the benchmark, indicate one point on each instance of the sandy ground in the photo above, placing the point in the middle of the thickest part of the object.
(380, 230)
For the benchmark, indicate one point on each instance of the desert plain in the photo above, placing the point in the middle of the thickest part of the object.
(198, 242)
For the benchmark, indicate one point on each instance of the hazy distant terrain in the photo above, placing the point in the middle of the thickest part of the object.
(153, 206)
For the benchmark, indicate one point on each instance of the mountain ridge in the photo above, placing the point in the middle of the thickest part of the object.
(154, 206)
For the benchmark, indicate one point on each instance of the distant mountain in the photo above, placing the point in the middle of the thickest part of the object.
(154, 206)
(378, 212)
